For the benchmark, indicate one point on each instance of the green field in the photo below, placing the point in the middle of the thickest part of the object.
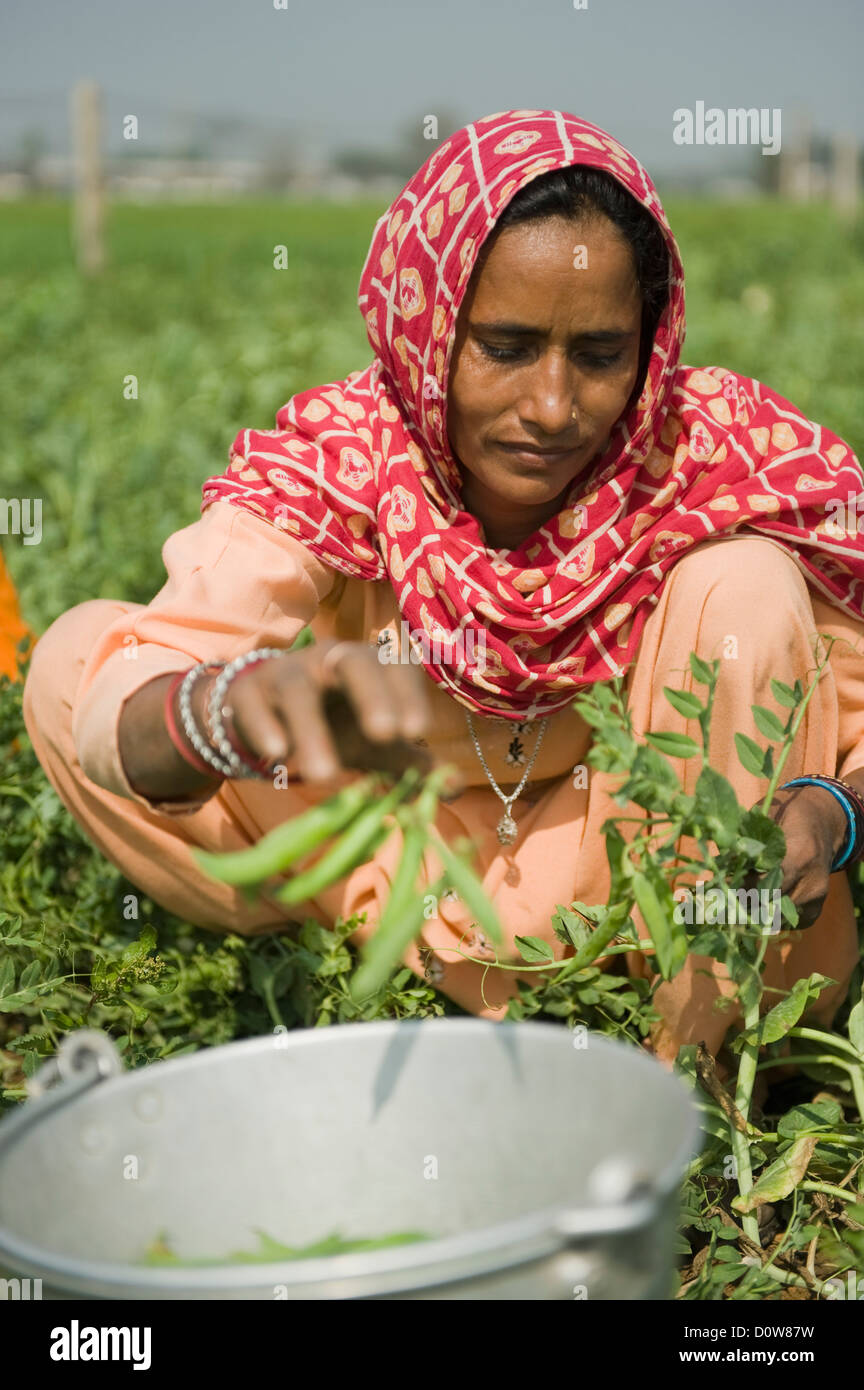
(191, 305)
(218, 340)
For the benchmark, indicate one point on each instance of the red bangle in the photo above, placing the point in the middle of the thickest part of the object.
(259, 765)
(187, 753)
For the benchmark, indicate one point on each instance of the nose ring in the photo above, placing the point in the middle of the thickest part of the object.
(572, 414)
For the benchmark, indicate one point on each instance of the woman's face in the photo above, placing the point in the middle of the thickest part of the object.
(545, 359)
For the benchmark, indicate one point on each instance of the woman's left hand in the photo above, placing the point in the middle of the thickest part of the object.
(814, 824)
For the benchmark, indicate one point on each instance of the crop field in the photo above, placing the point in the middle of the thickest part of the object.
(192, 307)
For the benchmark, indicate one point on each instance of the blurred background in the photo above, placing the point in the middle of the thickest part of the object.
(154, 157)
(188, 189)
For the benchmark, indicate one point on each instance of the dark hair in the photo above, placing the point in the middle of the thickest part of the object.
(580, 191)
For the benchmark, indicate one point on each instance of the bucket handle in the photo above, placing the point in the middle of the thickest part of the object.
(579, 1224)
(86, 1052)
(83, 1058)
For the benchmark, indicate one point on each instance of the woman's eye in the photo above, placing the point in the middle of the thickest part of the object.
(500, 354)
(594, 361)
(590, 359)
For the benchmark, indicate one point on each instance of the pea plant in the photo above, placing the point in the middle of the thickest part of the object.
(707, 837)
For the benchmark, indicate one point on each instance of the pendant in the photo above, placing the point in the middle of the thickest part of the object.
(508, 830)
(515, 753)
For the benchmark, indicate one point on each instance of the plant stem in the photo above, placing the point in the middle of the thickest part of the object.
(827, 1039)
(747, 1068)
(819, 1058)
(771, 1136)
(855, 1069)
(830, 1190)
(781, 1275)
(740, 1142)
(790, 737)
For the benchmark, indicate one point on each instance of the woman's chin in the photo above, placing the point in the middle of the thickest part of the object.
(537, 490)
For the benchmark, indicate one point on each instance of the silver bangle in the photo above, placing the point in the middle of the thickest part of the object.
(193, 733)
(217, 710)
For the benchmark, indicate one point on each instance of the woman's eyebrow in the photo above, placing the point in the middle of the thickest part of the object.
(521, 330)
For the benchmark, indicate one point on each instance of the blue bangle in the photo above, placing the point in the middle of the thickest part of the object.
(851, 823)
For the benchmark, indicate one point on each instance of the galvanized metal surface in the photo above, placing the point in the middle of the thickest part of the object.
(544, 1170)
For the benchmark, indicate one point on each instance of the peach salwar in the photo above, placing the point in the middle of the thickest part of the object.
(236, 582)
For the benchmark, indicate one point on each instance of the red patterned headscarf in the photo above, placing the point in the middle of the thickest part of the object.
(361, 471)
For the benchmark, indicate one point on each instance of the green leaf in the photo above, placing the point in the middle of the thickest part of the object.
(675, 745)
(790, 911)
(30, 975)
(756, 825)
(813, 1114)
(137, 950)
(532, 949)
(7, 976)
(11, 1003)
(777, 1022)
(856, 1025)
(750, 754)
(684, 702)
(768, 723)
(784, 694)
(717, 803)
(710, 943)
(702, 671)
(573, 929)
(778, 1180)
(726, 1256)
(752, 848)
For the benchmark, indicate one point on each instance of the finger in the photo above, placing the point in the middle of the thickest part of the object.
(257, 725)
(808, 912)
(358, 751)
(359, 673)
(266, 736)
(299, 704)
(808, 893)
(411, 694)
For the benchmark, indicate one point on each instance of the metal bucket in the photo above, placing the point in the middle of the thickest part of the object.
(541, 1169)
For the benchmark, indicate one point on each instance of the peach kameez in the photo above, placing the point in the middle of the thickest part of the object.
(236, 582)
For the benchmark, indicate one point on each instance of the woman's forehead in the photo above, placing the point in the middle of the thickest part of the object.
(534, 264)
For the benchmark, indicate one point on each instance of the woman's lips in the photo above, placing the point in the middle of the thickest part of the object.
(538, 457)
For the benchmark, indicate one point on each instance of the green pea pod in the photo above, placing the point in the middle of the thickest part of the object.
(359, 842)
(470, 889)
(305, 638)
(400, 920)
(276, 851)
(348, 854)
(669, 940)
(614, 922)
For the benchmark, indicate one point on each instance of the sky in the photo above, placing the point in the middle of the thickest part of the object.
(353, 72)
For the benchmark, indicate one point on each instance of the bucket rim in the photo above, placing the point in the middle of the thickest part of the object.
(532, 1237)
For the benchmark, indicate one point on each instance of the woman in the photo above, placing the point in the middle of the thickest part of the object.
(526, 474)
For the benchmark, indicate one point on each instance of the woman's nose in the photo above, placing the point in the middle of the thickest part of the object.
(549, 402)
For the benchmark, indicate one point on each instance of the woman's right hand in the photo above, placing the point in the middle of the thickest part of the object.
(352, 711)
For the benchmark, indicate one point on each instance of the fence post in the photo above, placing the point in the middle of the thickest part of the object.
(844, 174)
(89, 207)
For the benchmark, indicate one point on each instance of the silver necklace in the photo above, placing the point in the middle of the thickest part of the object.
(507, 828)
